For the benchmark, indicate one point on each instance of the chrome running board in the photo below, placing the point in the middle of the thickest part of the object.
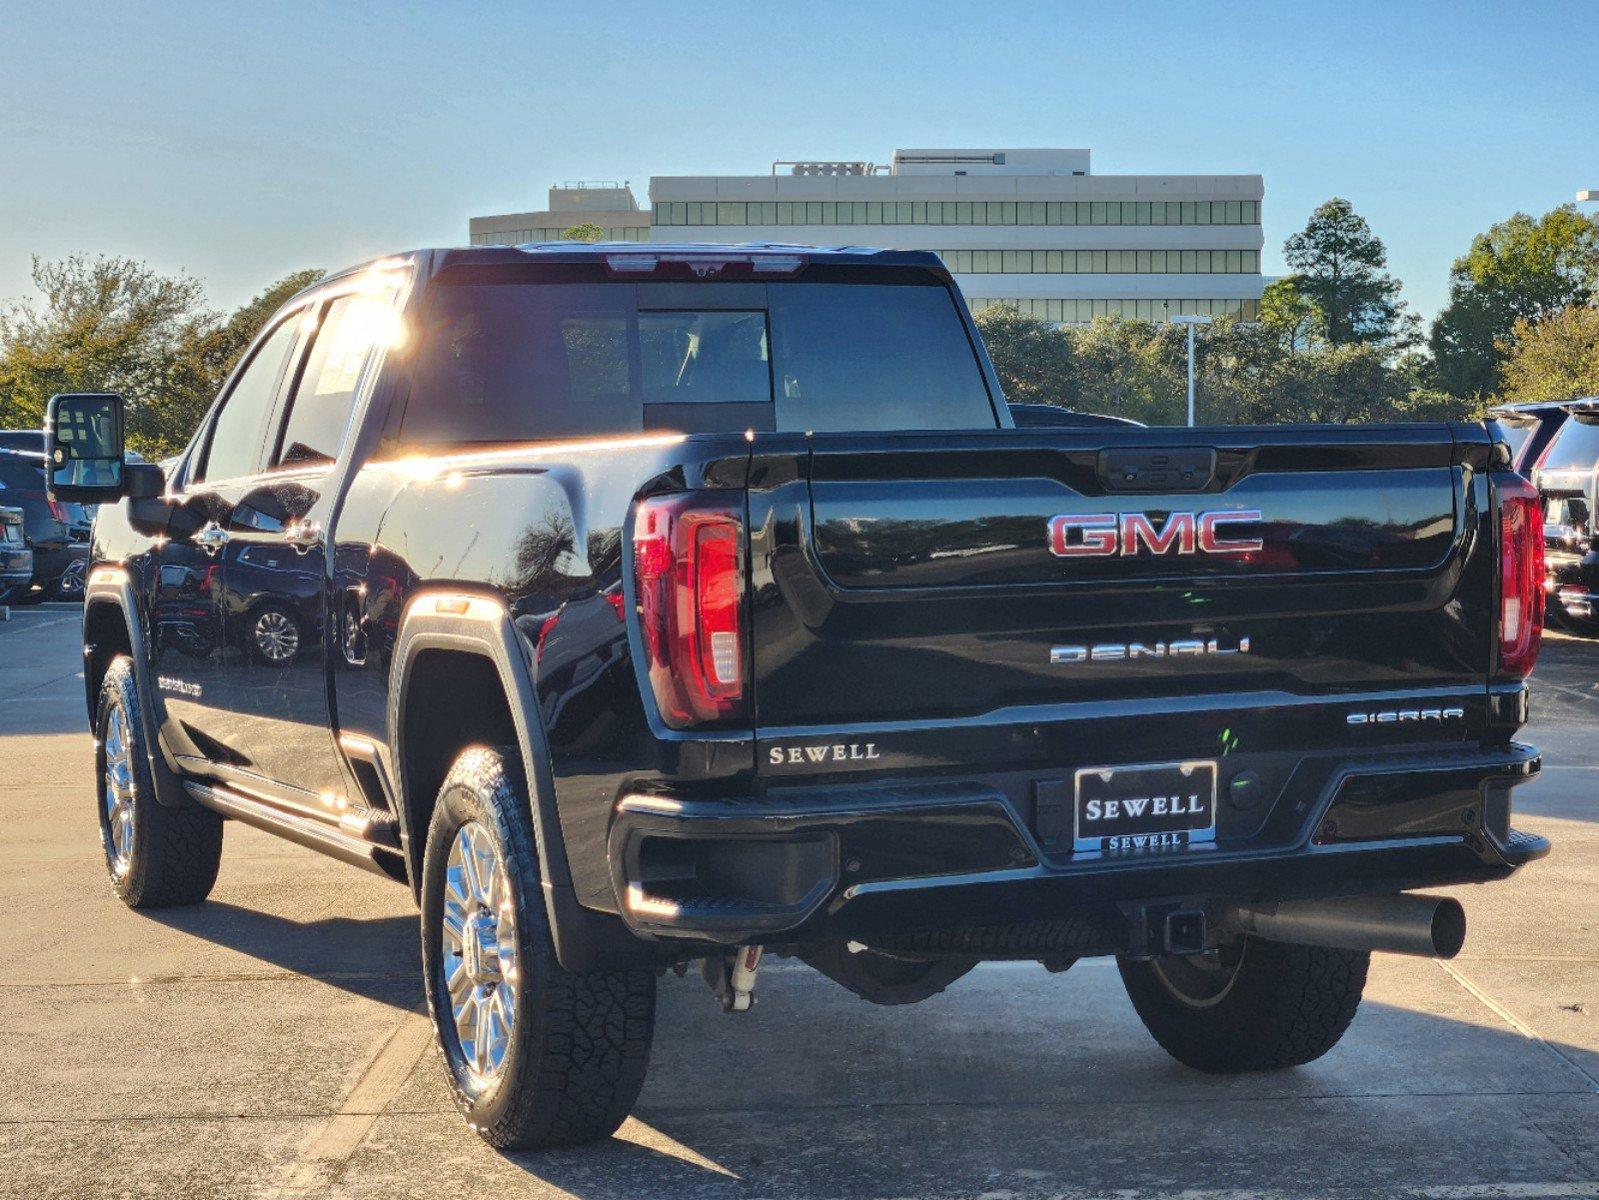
(304, 830)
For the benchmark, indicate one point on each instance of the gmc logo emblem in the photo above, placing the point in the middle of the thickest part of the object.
(1106, 535)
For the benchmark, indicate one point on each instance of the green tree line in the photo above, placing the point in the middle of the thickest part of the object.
(118, 325)
(1334, 342)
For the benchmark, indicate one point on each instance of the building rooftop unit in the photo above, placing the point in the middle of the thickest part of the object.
(609, 205)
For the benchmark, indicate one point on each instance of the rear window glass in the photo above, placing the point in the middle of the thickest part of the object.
(519, 361)
(1576, 447)
(704, 357)
(874, 356)
(516, 362)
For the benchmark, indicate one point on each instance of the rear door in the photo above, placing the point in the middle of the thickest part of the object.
(1004, 580)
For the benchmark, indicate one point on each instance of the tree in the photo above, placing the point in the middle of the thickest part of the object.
(1553, 359)
(1522, 269)
(1033, 359)
(116, 324)
(587, 231)
(1132, 368)
(1292, 315)
(1338, 266)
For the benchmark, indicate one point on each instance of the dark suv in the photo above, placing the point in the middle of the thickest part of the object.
(57, 531)
(1557, 446)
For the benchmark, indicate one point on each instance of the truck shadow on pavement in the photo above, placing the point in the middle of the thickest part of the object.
(1013, 1083)
(374, 958)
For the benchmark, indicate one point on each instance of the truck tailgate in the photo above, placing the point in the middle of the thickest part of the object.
(1016, 577)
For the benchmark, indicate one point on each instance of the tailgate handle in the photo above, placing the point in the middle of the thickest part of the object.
(1177, 469)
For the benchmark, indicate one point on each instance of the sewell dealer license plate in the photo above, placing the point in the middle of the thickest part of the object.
(1157, 807)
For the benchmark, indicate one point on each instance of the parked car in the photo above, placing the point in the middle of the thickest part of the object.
(56, 531)
(1041, 416)
(1559, 451)
(32, 441)
(665, 605)
(16, 557)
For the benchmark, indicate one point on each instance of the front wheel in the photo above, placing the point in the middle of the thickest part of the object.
(1253, 1005)
(156, 856)
(538, 1056)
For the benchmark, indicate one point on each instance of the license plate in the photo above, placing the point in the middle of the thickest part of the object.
(1157, 807)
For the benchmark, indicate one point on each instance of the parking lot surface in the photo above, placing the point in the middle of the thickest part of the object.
(271, 1042)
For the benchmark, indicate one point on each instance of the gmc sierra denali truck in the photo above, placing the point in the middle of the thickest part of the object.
(640, 606)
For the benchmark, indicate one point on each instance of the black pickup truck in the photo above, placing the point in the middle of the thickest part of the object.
(643, 606)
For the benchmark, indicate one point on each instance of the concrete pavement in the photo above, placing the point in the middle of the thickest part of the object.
(270, 1042)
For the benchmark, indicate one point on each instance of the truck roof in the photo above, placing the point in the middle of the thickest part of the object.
(596, 252)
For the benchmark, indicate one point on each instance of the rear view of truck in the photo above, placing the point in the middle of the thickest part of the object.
(1215, 700)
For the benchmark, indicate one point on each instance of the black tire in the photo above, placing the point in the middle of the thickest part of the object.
(1266, 1006)
(578, 1045)
(175, 851)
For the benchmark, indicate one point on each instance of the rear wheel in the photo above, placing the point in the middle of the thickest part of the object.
(1253, 1005)
(538, 1056)
(156, 856)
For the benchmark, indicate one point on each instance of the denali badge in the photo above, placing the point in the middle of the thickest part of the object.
(1121, 651)
(1398, 716)
(1106, 535)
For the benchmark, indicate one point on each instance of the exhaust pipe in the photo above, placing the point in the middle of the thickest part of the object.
(1428, 926)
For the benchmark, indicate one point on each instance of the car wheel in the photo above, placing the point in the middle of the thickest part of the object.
(274, 636)
(70, 585)
(537, 1056)
(156, 856)
(1253, 1005)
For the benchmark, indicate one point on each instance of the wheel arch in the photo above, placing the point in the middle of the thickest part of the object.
(455, 645)
(111, 627)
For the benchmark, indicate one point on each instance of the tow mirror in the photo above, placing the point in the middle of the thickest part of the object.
(84, 458)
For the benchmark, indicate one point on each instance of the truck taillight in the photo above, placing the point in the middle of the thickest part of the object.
(1521, 575)
(688, 566)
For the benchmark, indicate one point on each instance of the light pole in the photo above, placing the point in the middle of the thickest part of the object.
(1191, 322)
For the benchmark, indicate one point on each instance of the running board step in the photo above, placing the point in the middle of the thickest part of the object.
(340, 841)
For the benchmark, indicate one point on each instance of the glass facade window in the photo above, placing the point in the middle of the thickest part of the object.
(1102, 262)
(956, 212)
(1080, 312)
(552, 233)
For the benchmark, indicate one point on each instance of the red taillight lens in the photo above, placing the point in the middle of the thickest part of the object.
(688, 567)
(1521, 575)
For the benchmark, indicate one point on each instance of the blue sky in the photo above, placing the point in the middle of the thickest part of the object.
(241, 141)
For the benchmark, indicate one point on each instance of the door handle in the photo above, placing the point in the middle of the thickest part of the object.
(303, 535)
(211, 537)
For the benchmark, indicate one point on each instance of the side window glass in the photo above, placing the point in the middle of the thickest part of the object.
(325, 396)
(241, 426)
(1576, 447)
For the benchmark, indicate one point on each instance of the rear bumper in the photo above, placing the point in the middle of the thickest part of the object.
(1572, 584)
(882, 863)
(16, 566)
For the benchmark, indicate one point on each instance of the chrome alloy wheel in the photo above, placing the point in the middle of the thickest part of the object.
(479, 960)
(276, 636)
(117, 792)
(71, 582)
(1201, 980)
